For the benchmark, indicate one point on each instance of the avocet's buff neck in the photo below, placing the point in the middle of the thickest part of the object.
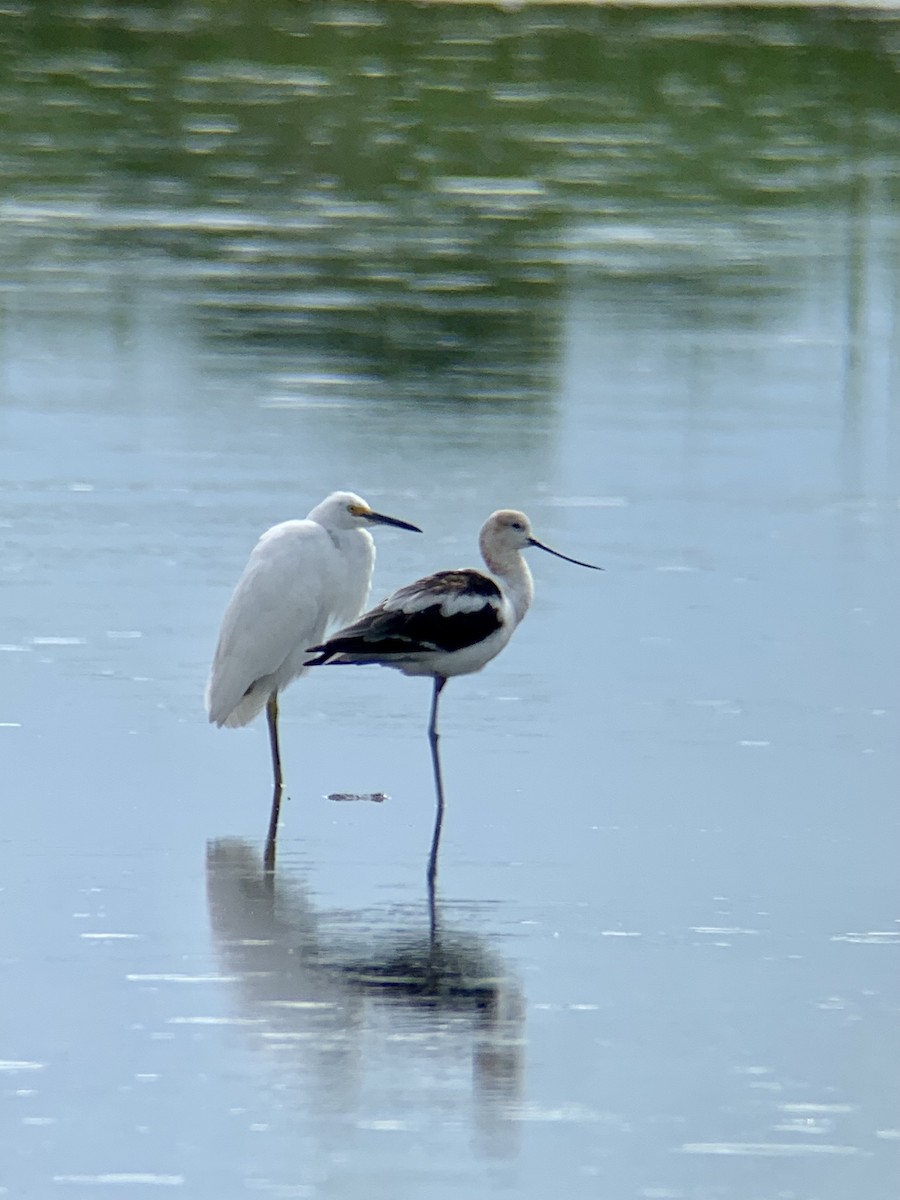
(503, 537)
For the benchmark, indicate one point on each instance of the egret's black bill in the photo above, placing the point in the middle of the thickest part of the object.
(556, 554)
(381, 519)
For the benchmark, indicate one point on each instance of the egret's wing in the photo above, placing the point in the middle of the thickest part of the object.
(443, 612)
(278, 608)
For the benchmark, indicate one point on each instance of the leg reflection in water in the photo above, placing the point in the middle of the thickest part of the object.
(319, 988)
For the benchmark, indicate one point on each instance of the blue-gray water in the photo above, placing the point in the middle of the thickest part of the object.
(633, 271)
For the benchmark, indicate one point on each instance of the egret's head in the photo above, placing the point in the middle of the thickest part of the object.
(346, 510)
(507, 531)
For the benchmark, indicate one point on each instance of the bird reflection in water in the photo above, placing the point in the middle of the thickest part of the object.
(336, 997)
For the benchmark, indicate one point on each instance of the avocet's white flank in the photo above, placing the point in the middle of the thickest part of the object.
(301, 578)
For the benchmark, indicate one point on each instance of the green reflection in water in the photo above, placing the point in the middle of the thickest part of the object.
(411, 196)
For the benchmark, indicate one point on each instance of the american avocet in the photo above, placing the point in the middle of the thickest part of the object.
(449, 623)
(302, 576)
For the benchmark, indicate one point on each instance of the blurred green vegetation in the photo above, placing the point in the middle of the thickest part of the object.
(378, 98)
(402, 182)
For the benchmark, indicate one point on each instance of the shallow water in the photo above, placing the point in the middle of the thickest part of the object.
(635, 272)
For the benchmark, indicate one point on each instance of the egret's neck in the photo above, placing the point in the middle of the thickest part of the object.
(512, 570)
(356, 549)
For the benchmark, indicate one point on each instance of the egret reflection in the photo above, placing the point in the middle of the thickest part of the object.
(343, 1001)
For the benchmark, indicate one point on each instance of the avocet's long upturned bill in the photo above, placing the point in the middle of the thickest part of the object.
(449, 623)
(302, 577)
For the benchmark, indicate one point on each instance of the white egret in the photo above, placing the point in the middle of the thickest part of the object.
(449, 623)
(301, 578)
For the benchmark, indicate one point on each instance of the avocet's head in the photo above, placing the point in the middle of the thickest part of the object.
(507, 531)
(346, 510)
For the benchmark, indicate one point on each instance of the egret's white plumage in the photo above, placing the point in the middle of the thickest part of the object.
(302, 578)
(450, 623)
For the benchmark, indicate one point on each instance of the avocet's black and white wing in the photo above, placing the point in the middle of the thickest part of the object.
(441, 614)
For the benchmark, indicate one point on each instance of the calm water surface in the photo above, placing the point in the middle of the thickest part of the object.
(635, 272)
